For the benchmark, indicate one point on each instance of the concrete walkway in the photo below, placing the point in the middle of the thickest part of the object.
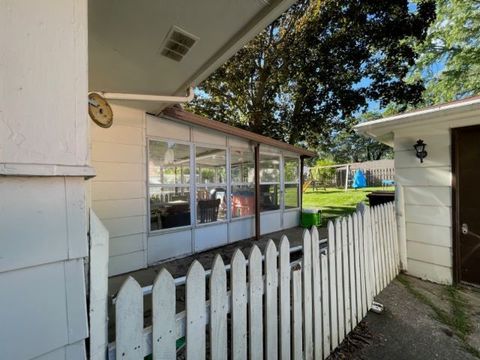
(409, 328)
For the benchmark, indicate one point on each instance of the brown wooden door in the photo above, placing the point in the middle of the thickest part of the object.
(466, 168)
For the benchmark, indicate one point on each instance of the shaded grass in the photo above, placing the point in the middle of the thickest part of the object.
(458, 320)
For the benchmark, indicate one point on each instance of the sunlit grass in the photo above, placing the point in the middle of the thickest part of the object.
(337, 202)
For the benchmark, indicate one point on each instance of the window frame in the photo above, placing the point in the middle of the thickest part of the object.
(279, 183)
(297, 158)
(233, 183)
(151, 232)
(196, 224)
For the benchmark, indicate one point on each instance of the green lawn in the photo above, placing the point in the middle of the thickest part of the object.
(336, 202)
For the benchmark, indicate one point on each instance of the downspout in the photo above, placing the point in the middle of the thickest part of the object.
(257, 192)
(149, 98)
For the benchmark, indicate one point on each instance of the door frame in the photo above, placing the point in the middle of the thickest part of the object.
(456, 202)
(455, 206)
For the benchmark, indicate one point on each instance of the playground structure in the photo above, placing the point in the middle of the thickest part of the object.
(377, 173)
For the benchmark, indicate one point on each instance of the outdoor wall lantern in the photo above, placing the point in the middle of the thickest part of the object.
(420, 150)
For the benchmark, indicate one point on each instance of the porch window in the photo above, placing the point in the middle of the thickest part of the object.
(211, 179)
(169, 184)
(242, 164)
(269, 182)
(292, 179)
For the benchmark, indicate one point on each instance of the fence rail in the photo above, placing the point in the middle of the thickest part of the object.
(276, 310)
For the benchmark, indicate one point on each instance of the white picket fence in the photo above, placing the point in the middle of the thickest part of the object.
(276, 310)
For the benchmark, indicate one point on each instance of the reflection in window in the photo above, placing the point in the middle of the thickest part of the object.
(269, 182)
(211, 184)
(169, 177)
(292, 178)
(243, 177)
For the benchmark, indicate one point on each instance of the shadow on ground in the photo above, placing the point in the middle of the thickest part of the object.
(421, 321)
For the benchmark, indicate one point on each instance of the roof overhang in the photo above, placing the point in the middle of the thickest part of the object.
(126, 39)
(383, 129)
(177, 114)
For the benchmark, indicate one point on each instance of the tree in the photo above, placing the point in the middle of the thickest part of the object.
(453, 42)
(348, 146)
(319, 63)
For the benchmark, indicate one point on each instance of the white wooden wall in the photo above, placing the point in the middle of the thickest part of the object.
(44, 133)
(425, 198)
(118, 192)
(331, 293)
(427, 203)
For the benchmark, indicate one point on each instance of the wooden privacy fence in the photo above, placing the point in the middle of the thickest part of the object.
(267, 309)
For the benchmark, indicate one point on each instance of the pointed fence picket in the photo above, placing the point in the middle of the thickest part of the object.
(277, 310)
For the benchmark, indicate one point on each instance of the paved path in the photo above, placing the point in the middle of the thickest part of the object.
(407, 330)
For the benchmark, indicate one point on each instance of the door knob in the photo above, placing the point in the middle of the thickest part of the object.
(464, 229)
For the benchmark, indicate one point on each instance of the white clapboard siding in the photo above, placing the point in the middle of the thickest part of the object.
(325, 306)
(164, 332)
(282, 312)
(316, 295)
(284, 289)
(129, 321)
(340, 288)
(297, 314)
(271, 313)
(196, 314)
(238, 281)
(218, 310)
(346, 278)
(255, 307)
(333, 286)
(307, 295)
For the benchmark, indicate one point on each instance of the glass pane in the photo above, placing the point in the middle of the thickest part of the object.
(169, 163)
(211, 165)
(291, 196)
(211, 203)
(242, 165)
(169, 207)
(269, 168)
(291, 169)
(243, 200)
(269, 197)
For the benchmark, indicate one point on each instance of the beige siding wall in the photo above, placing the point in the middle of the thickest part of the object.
(427, 202)
(119, 189)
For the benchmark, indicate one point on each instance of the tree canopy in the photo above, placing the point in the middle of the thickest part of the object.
(320, 63)
(450, 54)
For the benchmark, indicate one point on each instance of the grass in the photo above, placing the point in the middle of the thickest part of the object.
(337, 202)
(457, 320)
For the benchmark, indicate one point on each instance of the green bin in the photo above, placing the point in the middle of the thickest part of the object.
(311, 217)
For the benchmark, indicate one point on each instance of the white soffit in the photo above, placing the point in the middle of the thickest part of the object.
(127, 38)
(382, 129)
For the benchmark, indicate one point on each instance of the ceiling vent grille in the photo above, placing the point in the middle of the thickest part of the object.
(177, 44)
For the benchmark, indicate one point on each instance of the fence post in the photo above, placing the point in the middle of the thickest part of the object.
(98, 291)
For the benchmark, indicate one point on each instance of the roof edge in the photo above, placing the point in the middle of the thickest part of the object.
(411, 116)
(174, 113)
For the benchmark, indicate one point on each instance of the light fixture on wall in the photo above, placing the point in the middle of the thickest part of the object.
(420, 150)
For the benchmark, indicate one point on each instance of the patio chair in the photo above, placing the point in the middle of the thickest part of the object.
(208, 210)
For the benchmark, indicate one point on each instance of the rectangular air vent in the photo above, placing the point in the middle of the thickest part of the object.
(177, 44)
